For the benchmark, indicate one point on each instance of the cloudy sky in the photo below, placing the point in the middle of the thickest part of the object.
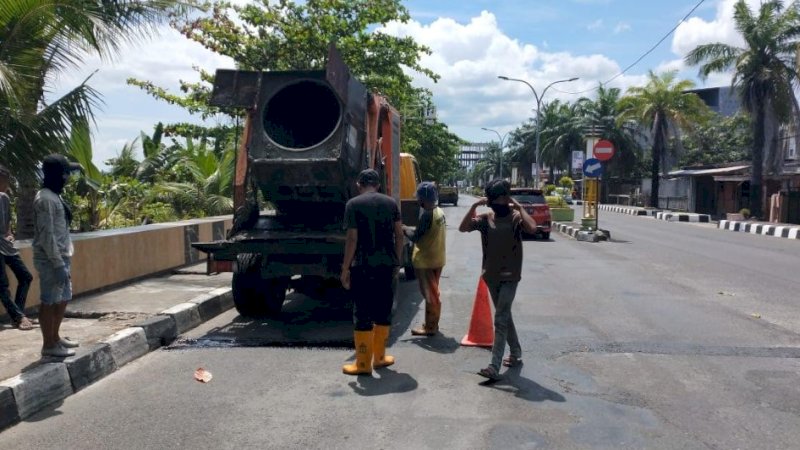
(473, 41)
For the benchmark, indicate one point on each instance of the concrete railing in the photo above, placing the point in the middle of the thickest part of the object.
(108, 258)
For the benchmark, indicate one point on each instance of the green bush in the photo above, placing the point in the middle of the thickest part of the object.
(549, 189)
(555, 201)
(745, 213)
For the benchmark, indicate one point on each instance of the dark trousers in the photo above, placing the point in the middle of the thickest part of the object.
(373, 295)
(15, 309)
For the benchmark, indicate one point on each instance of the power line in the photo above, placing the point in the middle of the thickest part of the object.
(643, 55)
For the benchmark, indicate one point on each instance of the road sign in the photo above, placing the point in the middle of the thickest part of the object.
(577, 159)
(603, 150)
(592, 168)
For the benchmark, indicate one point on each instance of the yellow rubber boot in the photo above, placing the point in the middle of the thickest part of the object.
(380, 358)
(363, 364)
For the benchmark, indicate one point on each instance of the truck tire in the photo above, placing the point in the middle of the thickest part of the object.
(252, 295)
(274, 295)
(246, 287)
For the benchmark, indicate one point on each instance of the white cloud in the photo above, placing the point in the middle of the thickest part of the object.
(470, 56)
(696, 31)
(621, 27)
(596, 25)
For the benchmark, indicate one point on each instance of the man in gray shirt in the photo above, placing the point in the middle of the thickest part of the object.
(9, 256)
(52, 251)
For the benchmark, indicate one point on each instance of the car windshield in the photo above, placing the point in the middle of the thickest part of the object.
(529, 198)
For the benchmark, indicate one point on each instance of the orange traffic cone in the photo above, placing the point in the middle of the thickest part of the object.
(481, 326)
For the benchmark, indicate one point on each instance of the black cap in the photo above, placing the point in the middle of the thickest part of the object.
(56, 163)
(369, 177)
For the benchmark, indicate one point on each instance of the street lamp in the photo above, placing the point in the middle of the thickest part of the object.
(501, 146)
(538, 116)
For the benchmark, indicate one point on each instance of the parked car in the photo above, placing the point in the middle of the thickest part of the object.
(535, 204)
(448, 194)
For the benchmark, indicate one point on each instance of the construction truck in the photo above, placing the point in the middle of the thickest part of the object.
(306, 137)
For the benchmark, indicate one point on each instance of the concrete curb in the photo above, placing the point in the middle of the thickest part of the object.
(574, 231)
(634, 211)
(33, 390)
(683, 217)
(781, 231)
(567, 229)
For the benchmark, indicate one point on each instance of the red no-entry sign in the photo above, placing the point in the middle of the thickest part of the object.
(603, 150)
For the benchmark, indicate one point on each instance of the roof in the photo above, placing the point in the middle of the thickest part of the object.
(702, 172)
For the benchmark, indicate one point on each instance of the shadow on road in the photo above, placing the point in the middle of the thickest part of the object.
(437, 344)
(390, 382)
(306, 321)
(514, 383)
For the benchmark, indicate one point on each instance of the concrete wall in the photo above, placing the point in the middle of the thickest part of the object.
(111, 257)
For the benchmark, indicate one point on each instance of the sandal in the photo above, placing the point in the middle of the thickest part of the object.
(24, 324)
(512, 361)
(490, 373)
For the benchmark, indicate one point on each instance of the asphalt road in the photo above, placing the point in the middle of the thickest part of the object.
(671, 335)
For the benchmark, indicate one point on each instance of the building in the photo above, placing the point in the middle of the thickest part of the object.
(469, 154)
(722, 100)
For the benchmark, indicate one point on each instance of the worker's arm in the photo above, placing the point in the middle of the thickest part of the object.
(468, 222)
(399, 243)
(351, 240)
(425, 222)
(528, 224)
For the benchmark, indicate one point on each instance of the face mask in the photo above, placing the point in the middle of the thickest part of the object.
(500, 210)
(54, 181)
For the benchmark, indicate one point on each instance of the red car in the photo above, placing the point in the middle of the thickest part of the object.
(534, 203)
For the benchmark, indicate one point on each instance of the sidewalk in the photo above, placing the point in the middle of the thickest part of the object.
(114, 327)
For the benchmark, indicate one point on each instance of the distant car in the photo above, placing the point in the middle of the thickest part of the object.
(535, 204)
(448, 194)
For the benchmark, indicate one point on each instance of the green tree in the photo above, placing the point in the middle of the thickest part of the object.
(562, 132)
(665, 108)
(764, 73)
(40, 39)
(287, 35)
(721, 140)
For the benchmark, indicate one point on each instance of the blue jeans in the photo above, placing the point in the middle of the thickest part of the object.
(503, 293)
(16, 309)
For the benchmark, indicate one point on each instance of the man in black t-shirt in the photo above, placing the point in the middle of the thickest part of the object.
(372, 258)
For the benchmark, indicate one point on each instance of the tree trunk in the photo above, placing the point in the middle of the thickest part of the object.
(757, 171)
(658, 148)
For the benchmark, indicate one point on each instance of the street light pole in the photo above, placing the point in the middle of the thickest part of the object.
(538, 116)
(502, 139)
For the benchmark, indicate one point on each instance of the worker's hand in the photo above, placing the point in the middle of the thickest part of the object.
(396, 272)
(483, 201)
(345, 278)
(515, 204)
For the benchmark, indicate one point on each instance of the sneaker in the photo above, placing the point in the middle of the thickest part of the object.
(58, 352)
(68, 343)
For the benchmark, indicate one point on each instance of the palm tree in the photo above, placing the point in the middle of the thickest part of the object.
(604, 117)
(209, 188)
(764, 72)
(561, 133)
(664, 107)
(40, 39)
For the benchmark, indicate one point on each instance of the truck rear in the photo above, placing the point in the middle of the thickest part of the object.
(307, 135)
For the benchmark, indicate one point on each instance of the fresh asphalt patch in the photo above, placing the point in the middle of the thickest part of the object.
(318, 321)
